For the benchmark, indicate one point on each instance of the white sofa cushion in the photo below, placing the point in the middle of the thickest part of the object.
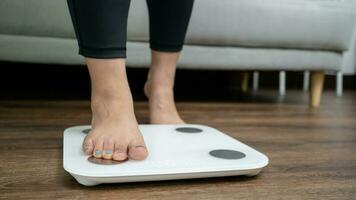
(64, 51)
(306, 24)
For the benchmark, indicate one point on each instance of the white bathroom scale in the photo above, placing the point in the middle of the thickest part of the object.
(175, 152)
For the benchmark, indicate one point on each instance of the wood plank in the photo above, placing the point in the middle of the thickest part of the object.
(312, 152)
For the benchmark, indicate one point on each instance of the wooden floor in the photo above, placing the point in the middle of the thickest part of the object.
(312, 152)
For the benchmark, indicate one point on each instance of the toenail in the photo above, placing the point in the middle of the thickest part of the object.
(97, 152)
(108, 152)
(121, 154)
(138, 146)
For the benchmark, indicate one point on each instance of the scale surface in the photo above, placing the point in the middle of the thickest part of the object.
(175, 152)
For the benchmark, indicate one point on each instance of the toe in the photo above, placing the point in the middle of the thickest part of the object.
(98, 149)
(88, 145)
(120, 152)
(108, 149)
(138, 150)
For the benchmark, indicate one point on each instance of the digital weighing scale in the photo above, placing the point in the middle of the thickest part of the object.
(175, 152)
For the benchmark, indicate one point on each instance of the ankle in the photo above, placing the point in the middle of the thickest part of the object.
(158, 88)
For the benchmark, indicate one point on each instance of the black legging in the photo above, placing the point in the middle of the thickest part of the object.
(101, 25)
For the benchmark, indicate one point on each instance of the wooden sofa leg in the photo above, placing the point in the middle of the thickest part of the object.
(244, 81)
(315, 92)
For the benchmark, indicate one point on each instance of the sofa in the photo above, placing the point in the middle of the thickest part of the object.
(288, 35)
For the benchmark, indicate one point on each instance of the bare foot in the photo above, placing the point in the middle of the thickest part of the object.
(159, 88)
(114, 134)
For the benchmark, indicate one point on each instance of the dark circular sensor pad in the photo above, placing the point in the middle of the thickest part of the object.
(86, 131)
(227, 154)
(189, 130)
